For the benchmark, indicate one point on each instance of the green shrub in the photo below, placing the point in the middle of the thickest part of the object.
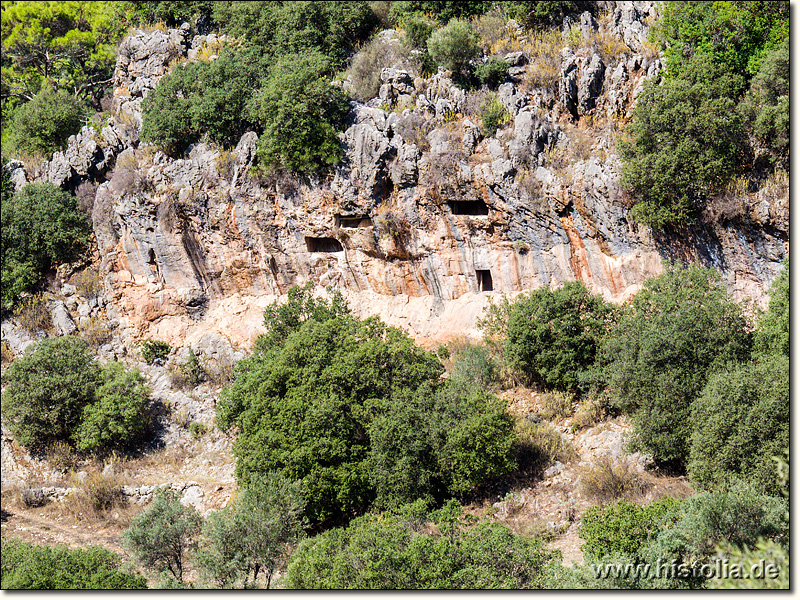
(766, 105)
(357, 412)
(27, 566)
(685, 140)
(42, 126)
(474, 365)
(493, 115)
(554, 335)
(455, 46)
(170, 12)
(300, 114)
(624, 527)
(391, 551)
(493, 72)
(333, 29)
(443, 11)
(153, 350)
(738, 513)
(159, 536)
(254, 534)
(417, 30)
(540, 14)
(197, 429)
(41, 228)
(204, 97)
(740, 422)
(772, 334)
(681, 327)
(118, 414)
(58, 394)
(47, 390)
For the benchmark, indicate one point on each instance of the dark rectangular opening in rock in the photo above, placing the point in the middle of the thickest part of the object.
(473, 208)
(323, 244)
(353, 222)
(484, 280)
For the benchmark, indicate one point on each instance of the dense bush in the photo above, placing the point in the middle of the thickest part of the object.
(623, 527)
(455, 46)
(553, 335)
(357, 412)
(494, 115)
(118, 414)
(160, 535)
(442, 10)
(42, 126)
(153, 350)
(685, 140)
(300, 113)
(772, 335)
(332, 29)
(170, 12)
(766, 105)
(47, 390)
(30, 567)
(41, 227)
(492, 73)
(202, 97)
(680, 328)
(396, 551)
(741, 423)
(688, 132)
(254, 534)
(58, 393)
(539, 14)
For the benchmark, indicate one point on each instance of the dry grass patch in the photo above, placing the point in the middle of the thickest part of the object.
(33, 314)
(556, 405)
(610, 479)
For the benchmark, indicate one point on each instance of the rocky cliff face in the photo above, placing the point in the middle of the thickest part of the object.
(424, 220)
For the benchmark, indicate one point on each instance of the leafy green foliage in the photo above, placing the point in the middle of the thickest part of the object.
(455, 45)
(493, 115)
(203, 97)
(47, 390)
(357, 412)
(299, 112)
(42, 126)
(623, 527)
(766, 105)
(332, 29)
(493, 72)
(734, 35)
(772, 335)
(443, 11)
(27, 566)
(118, 414)
(159, 535)
(41, 227)
(254, 534)
(57, 393)
(153, 350)
(391, 551)
(417, 30)
(683, 143)
(553, 335)
(678, 329)
(740, 422)
(737, 513)
(281, 320)
(67, 46)
(688, 133)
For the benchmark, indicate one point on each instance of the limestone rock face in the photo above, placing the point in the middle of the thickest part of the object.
(421, 224)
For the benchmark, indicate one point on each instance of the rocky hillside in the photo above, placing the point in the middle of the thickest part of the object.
(422, 223)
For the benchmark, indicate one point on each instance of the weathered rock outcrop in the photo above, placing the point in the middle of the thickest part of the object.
(423, 221)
